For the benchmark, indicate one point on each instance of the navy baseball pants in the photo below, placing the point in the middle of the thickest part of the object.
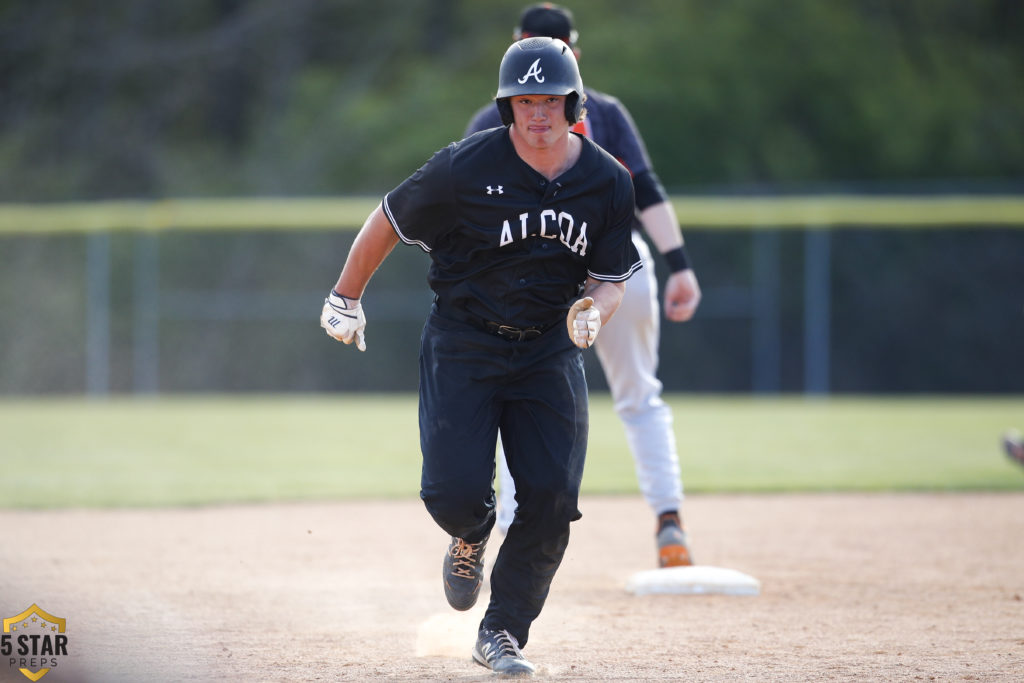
(473, 384)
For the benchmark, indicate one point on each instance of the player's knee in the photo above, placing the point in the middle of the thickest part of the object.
(639, 406)
(548, 508)
(457, 513)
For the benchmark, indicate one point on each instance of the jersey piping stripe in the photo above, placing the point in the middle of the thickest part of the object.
(617, 278)
(398, 231)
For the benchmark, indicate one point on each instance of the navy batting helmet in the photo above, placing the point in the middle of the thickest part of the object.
(540, 66)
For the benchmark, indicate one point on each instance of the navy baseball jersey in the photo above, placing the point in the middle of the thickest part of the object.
(507, 245)
(609, 124)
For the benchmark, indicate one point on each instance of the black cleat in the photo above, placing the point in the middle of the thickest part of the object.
(499, 652)
(463, 572)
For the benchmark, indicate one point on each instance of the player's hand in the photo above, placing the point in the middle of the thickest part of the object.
(584, 322)
(682, 295)
(344, 320)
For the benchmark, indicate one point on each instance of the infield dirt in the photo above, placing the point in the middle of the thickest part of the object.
(854, 588)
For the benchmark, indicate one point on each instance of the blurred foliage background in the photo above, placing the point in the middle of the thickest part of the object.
(147, 98)
(248, 98)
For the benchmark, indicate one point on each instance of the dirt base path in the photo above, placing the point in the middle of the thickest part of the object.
(854, 588)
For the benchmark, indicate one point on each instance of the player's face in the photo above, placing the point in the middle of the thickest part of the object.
(540, 119)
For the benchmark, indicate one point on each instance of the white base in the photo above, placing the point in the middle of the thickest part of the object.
(697, 580)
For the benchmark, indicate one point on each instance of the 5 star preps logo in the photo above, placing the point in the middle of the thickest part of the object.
(33, 641)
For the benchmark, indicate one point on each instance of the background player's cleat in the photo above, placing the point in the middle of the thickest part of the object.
(673, 548)
(1014, 446)
(499, 652)
(463, 572)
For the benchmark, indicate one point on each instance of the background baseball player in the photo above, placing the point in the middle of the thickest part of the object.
(628, 349)
(1013, 444)
(528, 230)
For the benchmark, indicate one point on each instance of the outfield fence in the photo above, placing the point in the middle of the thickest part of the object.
(767, 218)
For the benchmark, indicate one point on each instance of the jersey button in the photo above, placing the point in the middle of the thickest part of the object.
(522, 281)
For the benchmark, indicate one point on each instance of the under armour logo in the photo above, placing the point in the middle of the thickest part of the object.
(492, 190)
(534, 71)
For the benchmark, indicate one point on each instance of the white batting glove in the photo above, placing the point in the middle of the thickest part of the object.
(344, 320)
(584, 322)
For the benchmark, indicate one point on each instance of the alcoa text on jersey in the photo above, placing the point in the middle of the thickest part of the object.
(506, 243)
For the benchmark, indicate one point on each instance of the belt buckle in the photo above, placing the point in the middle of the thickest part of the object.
(511, 333)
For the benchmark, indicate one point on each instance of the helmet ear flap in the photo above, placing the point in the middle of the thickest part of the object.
(573, 107)
(505, 110)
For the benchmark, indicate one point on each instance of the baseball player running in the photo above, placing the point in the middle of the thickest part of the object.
(628, 350)
(528, 230)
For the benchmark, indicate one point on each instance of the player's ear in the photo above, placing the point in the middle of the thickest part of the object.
(505, 110)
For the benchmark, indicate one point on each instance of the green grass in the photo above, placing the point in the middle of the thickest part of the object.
(208, 450)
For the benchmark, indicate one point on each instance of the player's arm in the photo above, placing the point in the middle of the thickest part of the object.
(372, 245)
(342, 315)
(682, 291)
(606, 295)
(598, 304)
